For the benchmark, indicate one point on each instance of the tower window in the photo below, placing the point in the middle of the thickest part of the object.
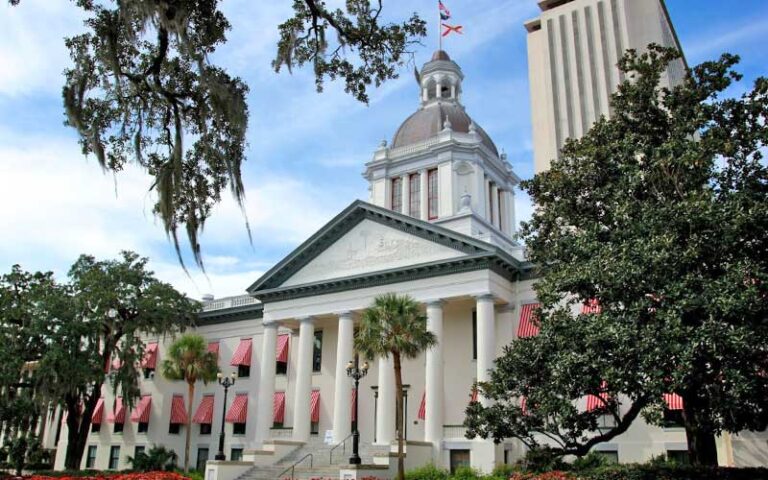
(490, 203)
(414, 186)
(397, 195)
(500, 204)
(432, 193)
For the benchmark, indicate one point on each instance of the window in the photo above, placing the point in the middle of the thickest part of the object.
(243, 371)
(673, 418)
(238, 429)
(474, 335)
(490, 202)
(317, 352)
(678, 456)
(459, 458)
(202, 457)
(236, 454)
(606, 421)
(432, 194)
(90, 460)
(149, 373)
(397, 195)
(138, 450)
(114, 457)
(174, 428)
(414, 187)
(314, 428)
(282, 368)
(95, 427)
(118, 428)
(205, 429)
(277, 424)
(611, 457)
(499, 202)
(143, 427)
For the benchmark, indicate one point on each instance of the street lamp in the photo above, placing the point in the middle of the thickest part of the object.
(225, 382)
(356, 372)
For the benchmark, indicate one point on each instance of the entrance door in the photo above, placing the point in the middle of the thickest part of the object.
(459, 458)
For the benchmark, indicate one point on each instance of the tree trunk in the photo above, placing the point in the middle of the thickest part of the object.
(399, 416)
(77, 432)
(702, 448)
(191, 392)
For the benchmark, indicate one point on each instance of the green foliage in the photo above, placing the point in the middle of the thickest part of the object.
(660, 214)
(543, 459)
(504, 471)
(673, 472)
(155, 459)
(427, 472)
(590, 461)
(467, 473)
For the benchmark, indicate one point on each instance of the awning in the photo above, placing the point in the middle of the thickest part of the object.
(150, 356)
(591, 306)
(213, 347)
(143, 409)
(474, 395)
(314, 406)
(204, 413)
(596, 402)
(278, 409)
(353, 409)
(673, 401)
(118, 414)
(282, 347)
(242, 355)
(524, 405)
(178, 411)
(98, 412)
(238, 411)
(116, 364)
(423, 407)
(527, 326)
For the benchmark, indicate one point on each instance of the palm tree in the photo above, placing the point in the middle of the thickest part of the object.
(189, 360)
(394, 325)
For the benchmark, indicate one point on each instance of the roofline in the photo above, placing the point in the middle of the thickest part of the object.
(665, 10)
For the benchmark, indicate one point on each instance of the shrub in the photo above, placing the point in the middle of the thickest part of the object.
(427, 472)
(505, 471)
(590, 461)
(156, 458)
(543, 459)
(466, 473)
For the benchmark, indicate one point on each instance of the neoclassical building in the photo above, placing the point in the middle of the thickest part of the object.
(439, 227)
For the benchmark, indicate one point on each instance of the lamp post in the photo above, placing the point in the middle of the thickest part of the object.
(356, 372)
(225, 382)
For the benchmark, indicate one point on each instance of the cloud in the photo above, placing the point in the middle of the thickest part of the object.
(729, 37)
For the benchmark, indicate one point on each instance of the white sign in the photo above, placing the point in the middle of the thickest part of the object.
(328, 437)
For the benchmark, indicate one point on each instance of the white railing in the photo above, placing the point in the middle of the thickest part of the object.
(229, 302)
(281, 433)
(454, 431)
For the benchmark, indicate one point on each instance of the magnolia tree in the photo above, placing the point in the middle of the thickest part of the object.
(658, 220)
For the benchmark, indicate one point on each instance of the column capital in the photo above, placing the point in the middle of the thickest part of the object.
(308, 319)
(435, 303)
(484, 297)
(270, 323)
(344, 313)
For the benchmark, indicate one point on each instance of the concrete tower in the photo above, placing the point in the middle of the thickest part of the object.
(573, 50)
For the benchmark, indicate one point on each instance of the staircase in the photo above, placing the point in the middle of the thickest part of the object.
(321, 461)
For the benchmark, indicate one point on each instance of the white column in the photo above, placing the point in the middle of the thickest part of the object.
(342, 412)
(265, 401)
(424, 195)
(495, 202)
(486, 339)
(435, 394)
(406, 194)
(512, 228)
(385, 413)
(303, 380)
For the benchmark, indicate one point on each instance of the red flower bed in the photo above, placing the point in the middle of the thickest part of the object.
(556, 475)
(117, 476)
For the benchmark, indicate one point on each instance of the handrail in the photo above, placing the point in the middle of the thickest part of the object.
(292, 468)
(343, 445)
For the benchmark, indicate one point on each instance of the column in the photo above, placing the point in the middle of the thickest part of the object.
(303, 380)
(406, 194)
(435, 394)
(265, 401)
(495, 202)
(511, 227)
(385, 414)
(342, 412)
(486, 342)
(424, 195)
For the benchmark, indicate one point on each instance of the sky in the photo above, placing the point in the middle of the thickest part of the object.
(306, 151)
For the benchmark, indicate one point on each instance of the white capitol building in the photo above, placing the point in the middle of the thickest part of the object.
(438, 226)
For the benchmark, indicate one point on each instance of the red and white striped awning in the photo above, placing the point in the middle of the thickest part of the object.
(423, 407)
(143, 409)
(314, 406)
(278, 408)
(591, 306)
(98, 412)
(474, 395)
(524, 405)
(118, 414)
(238, 411)
(527, 326)
(150, 356)
(213, 347)
(242, 355)
(673, 401)
(178, 410)
(282, 347)
(116, 364)
(204, 412)
(596, 402)
(353, 409)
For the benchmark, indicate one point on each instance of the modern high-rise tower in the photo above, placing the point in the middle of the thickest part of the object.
(573, 50)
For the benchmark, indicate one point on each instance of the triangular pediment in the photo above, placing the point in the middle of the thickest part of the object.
(370, 247)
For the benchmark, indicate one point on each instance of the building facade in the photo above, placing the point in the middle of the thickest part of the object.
(573, 50)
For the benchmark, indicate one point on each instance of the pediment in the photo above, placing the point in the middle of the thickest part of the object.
(370, 247)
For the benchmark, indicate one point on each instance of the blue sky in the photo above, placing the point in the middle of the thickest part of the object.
(306, 150)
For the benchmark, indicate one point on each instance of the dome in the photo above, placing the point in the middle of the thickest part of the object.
(428, 122)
